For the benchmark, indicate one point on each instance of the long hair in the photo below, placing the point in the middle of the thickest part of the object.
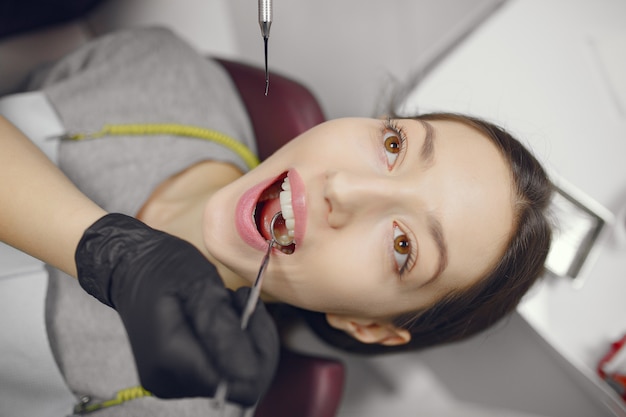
(464, 313)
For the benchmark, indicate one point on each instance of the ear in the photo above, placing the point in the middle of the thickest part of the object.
(368, 330)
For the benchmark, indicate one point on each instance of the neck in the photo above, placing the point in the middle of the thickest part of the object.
(177, 205)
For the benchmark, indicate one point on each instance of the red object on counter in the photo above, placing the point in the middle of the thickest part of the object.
(612, 367)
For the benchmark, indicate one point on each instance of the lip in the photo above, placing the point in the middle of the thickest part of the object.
(244, 219)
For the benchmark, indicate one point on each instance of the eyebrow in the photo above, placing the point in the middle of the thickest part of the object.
(436, 231)
(427, 154)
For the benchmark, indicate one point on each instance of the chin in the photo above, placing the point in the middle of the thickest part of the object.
(217, 238)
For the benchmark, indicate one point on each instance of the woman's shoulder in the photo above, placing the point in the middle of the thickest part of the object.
(137, 41)
(121, 50)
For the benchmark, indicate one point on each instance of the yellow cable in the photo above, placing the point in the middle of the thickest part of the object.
(152, 129)
(121, 397)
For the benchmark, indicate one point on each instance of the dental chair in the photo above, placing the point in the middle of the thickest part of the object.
(305, 385)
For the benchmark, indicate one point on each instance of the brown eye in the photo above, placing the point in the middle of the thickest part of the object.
(392, 144)
(402, 249)
(402, 245)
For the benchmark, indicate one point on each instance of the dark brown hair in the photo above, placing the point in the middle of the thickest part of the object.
(466, 312)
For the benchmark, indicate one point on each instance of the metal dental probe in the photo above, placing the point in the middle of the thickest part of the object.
(253, 297)
(265, 22)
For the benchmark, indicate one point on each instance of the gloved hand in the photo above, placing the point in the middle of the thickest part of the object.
(182, 323)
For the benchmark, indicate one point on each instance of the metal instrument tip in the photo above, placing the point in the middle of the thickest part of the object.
(267, 74)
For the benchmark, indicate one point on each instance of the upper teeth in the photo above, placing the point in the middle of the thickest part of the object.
(287, 207)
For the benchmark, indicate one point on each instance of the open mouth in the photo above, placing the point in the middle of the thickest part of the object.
(274, 199)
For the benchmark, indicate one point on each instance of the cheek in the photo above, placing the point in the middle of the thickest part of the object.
(338, 278)
(332, 146)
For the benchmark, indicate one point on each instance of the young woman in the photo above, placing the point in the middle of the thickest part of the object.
(407, 232)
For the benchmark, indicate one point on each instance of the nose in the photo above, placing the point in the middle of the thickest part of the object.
(350, 195)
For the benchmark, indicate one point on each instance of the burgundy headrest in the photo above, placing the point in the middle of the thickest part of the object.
(288, 110)
(304, 386)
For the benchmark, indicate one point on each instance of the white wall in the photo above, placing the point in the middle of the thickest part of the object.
(207, 24)
(347, 50)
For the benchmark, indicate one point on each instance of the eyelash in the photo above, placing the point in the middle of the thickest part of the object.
(392, 125)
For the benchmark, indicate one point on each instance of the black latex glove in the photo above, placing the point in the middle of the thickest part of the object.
(182, 323)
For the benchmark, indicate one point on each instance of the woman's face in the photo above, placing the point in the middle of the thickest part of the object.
(389, 215)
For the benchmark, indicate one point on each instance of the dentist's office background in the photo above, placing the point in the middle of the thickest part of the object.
(551, 71)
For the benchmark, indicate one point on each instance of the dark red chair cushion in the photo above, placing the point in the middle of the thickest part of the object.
(288, 110)
(304, 386)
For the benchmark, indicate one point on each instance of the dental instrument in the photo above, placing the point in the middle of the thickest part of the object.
(256, 287)
(265, 21)
(219, 399)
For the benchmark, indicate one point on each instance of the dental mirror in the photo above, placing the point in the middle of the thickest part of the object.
(281, 237)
